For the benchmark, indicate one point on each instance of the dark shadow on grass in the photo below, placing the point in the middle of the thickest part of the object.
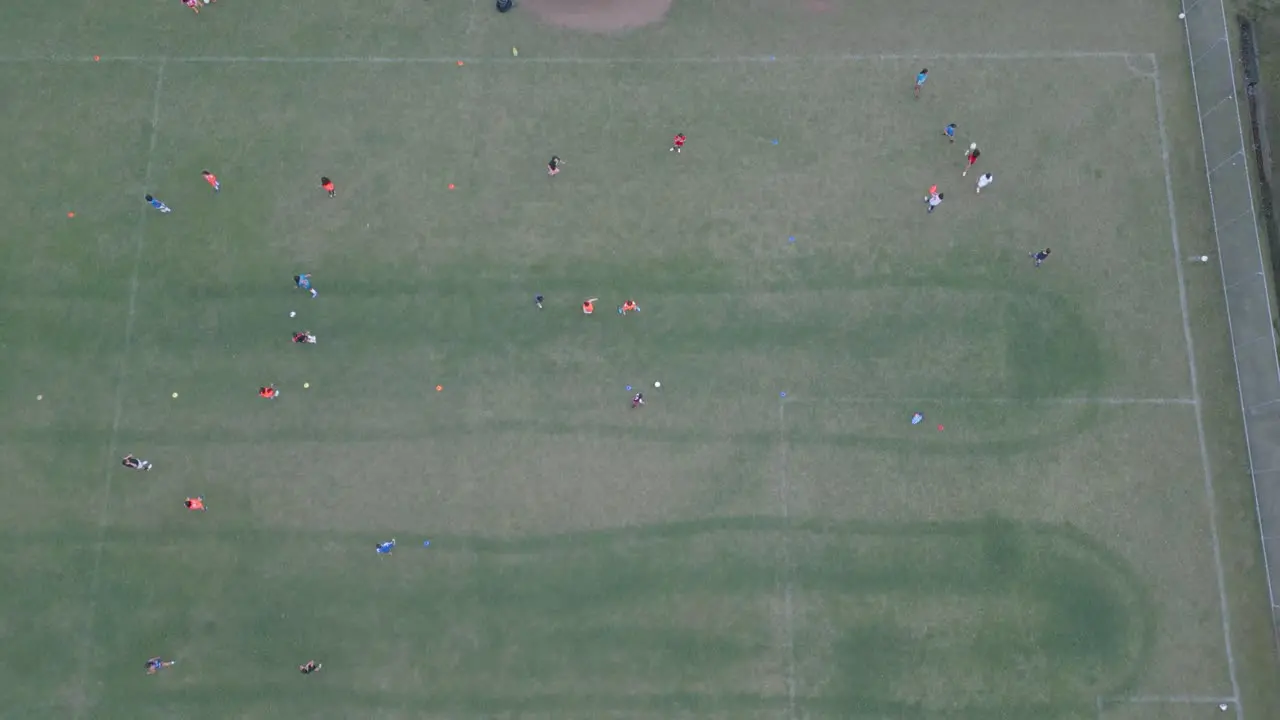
(608, 620)
(1014, 427)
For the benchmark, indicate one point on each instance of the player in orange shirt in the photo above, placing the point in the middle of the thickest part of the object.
(211, 179)
(327, 185)
(269, 392)
(677, 142)
(627, 307)
(589, 306)
(195, 503)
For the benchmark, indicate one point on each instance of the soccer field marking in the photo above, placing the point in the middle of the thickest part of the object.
(784, 483)
(1210, 494)
(1174, 700)
(960, 400)
(471, 18)
(706, 60)
(122, 370)
(784, 491)
(1218, 702)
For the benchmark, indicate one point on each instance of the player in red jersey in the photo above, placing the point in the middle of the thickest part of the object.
(211, 179)
(970, 158)
(677, 142)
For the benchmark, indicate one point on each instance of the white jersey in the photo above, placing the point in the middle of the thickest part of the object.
(986, 180)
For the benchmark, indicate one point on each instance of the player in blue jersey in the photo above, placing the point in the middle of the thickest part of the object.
(385, 548)
(158, 205)
(921, 77)
(303, 282)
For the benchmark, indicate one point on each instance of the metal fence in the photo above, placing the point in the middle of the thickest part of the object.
(1245, 272)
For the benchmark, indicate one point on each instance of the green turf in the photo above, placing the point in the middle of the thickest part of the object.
(723, 552)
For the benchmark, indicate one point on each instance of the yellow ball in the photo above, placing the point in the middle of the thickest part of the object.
(175, 394)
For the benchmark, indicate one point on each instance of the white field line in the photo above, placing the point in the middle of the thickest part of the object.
(960, 400)
(1211, 700)
(1175, 700)
(104, 501)
(784, 493)
(1210, 499)
(705, 60)
(471, 18)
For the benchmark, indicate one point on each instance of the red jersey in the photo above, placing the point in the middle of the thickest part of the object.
(678, 141)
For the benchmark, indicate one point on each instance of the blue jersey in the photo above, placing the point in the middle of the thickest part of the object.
(385, 548)
(303, 281)
(921, 78)
(950, 130)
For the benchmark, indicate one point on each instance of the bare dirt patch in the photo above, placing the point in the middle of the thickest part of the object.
(598, 16)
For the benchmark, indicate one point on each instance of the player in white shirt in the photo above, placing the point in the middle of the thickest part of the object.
(984, 180)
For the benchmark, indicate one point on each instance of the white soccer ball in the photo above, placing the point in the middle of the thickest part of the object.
(293, 314)
(973, 146)
(206, 2)
(657, 384)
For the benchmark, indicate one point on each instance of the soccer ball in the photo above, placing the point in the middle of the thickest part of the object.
(973, 146)
(657, 384)
(206, 2)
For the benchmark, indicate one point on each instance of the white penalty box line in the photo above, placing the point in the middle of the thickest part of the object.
(496, 60)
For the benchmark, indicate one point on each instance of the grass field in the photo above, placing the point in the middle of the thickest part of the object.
(769, 536)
